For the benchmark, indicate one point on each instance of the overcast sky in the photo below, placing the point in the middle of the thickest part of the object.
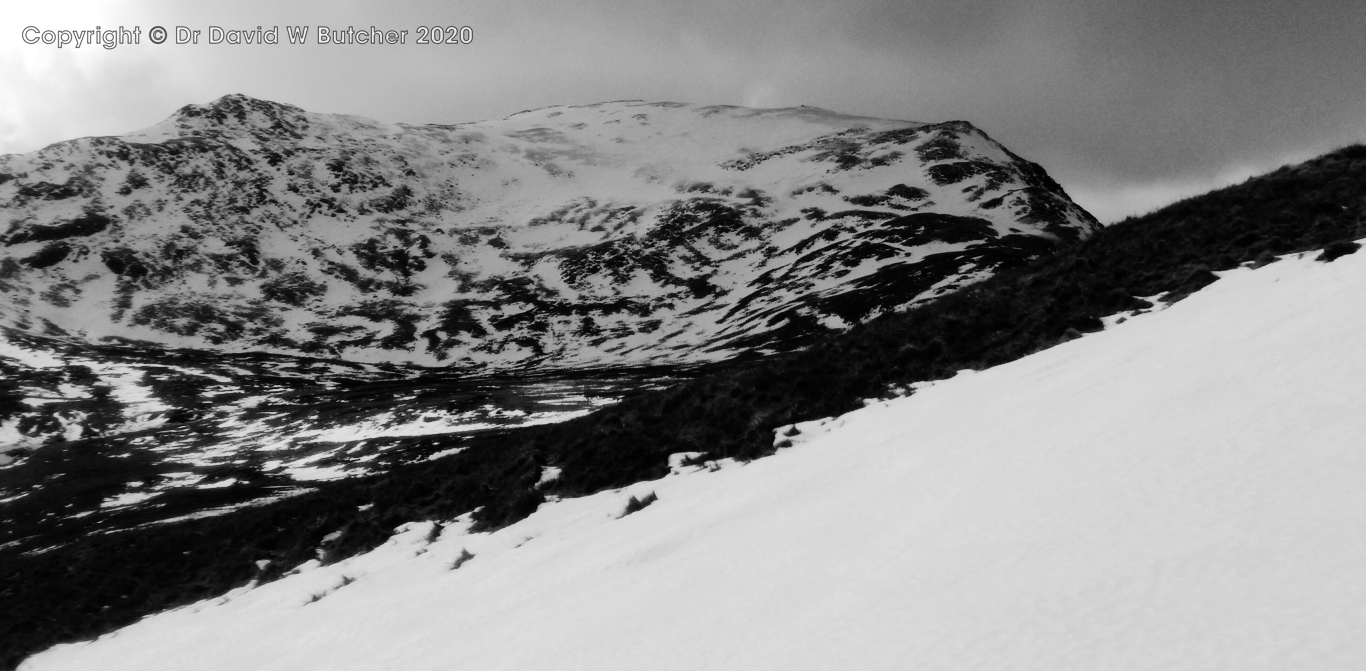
(1129, 105)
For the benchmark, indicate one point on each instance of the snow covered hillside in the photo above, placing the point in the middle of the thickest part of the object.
(622, 233)
(94, 439)
(1183, 490)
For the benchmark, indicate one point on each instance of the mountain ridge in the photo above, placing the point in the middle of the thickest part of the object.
(608, 234)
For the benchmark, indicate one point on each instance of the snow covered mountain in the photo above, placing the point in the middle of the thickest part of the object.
(1182, 490)
(238, 302)
(228, 307)
(621, 233)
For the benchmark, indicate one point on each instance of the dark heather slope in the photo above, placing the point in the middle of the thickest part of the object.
(101, 582)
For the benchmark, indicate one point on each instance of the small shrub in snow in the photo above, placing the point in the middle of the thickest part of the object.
(1264, 259)
(460, 561)
(434, 533)
(636, 505)
(1337, 250)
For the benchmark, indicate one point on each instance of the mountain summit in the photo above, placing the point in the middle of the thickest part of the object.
(617, 233)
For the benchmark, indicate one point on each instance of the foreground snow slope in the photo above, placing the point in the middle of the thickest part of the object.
(1181, 491)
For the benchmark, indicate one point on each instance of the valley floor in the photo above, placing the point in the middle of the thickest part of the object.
(1184, 490)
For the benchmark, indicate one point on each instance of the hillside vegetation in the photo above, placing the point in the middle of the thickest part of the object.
(99, 583)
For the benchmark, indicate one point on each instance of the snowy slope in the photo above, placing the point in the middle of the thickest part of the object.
(1183, 490)
(100, 438)
(621, 233)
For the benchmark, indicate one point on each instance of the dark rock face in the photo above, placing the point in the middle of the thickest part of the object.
(614, 234)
